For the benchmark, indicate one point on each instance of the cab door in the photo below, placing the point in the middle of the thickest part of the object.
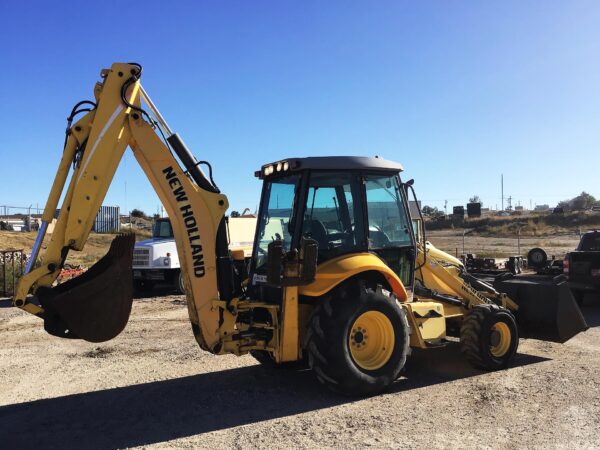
(389, 228)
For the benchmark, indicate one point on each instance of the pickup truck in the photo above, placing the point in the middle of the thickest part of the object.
(582, 267)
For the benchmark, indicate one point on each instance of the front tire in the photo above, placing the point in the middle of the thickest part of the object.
(179, 284)
(358, 340)
(489, 337)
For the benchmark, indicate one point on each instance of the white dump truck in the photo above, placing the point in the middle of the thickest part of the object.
(155, 260)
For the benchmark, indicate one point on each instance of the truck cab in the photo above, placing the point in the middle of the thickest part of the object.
(582, 266)
(155, 260)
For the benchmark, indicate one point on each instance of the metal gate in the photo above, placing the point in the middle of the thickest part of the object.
(12, 264)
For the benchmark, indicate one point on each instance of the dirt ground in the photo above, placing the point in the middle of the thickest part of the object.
(451, 241)
(153, 387)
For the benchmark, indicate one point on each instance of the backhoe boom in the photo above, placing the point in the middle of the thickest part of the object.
(95, 146)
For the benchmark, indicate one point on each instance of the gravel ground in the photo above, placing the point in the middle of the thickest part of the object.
(152, 386)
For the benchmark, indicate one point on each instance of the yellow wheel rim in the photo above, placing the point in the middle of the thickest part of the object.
(371, 340)
(500, 339)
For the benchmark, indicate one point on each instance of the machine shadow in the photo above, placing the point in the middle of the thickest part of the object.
(163, 410)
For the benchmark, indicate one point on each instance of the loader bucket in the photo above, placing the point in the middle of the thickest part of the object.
(547, 310)
(94, 306)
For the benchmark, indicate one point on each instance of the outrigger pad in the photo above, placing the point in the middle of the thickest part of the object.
(547, 310)
(94, 306)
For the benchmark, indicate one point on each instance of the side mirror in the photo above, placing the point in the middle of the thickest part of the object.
(293, 268)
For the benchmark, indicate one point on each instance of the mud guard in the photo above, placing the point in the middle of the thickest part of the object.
(547, 310)
(96, 305)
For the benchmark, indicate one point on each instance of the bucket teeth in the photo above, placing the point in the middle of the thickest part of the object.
(96, 305)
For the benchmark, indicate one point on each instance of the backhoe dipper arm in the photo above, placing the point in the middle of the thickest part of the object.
(95, 146)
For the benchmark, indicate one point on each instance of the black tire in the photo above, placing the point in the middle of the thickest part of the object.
(478, 337)
(328, 337)
(179, 284)
(537, 258)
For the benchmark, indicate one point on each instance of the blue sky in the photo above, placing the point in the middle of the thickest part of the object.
(458, 92)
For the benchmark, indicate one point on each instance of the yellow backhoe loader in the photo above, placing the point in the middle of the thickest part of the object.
(338, 276)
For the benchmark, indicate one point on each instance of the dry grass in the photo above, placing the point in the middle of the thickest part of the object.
(94, 249)
(544, 225)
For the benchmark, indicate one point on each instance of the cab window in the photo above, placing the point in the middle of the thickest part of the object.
(332, 214)
(389, 231)
(275, 222)
(388, 221)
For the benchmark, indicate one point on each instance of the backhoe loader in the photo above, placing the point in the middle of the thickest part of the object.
(338, 277)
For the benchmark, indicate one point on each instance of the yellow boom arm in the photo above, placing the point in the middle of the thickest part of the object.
(95, 146)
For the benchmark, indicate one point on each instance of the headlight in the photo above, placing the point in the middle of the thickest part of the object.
(286, 165)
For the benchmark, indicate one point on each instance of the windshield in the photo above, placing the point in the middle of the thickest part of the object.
(275, 222)
(162, 230)
(590, 242)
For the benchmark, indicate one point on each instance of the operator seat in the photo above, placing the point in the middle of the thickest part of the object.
(317, 231)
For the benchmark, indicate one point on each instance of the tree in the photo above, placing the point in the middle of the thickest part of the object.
(137, 213)
(432, 212)
(476, 199)
(234, 214)
(580, 203)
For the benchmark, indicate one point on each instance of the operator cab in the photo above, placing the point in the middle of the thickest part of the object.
(345, 204)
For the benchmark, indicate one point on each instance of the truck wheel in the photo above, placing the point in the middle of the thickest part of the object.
(489, 337)
(179, 284)
(358, 340)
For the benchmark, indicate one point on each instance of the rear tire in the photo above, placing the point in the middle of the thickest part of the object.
(489, 337)
(357, 340)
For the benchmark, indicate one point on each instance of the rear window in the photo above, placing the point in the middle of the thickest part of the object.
(589, 243)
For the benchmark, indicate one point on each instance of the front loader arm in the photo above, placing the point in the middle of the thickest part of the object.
(441, 273)
(95, 146)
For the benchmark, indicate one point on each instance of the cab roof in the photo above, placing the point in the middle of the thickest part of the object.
(329, 163)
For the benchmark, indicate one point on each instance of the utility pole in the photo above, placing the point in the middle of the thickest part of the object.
(445, 207)
(502, 189)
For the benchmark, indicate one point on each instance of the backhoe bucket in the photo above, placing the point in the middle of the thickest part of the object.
(96, 305)
(547, 310)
